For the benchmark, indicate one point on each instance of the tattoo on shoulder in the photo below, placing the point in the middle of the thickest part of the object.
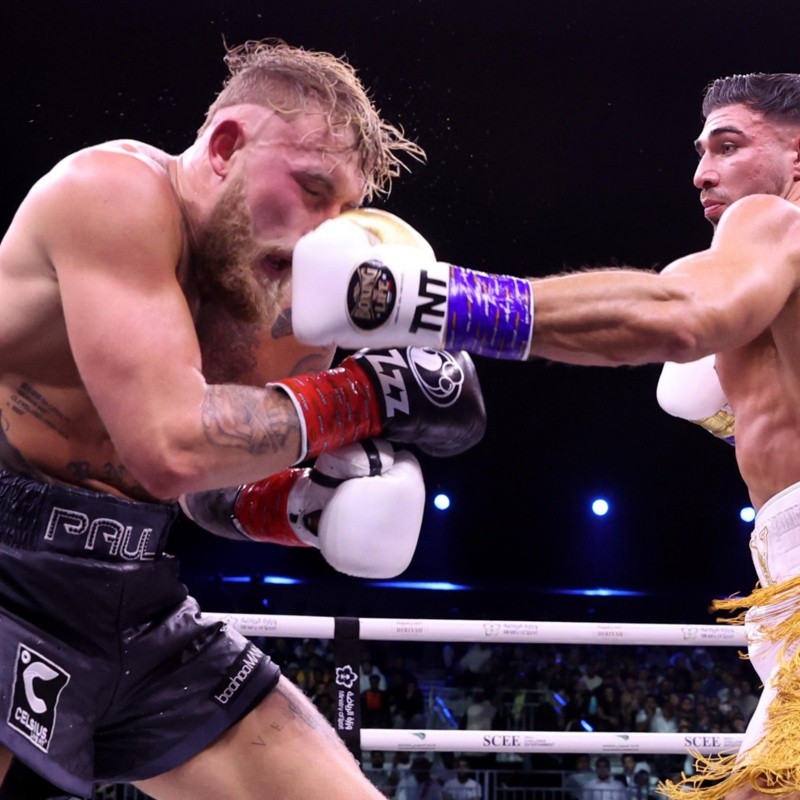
(239, 416)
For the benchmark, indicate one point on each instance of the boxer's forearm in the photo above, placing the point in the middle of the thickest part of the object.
(611, 318)
(203, 437)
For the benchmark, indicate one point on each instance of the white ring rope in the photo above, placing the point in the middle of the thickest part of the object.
(503, 631)
(548, 742)
(499, 631)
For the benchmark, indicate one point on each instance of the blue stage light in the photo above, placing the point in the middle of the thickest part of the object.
(436, 586)
(747, 514)
(441, 501)
(600, 507)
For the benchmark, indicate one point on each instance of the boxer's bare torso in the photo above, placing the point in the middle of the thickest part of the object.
(49, 424)
(762, 383)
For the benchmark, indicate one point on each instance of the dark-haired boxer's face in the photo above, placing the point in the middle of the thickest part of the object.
(741, 154)
(292, 175)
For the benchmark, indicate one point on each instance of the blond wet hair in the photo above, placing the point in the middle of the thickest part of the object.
(291, 80)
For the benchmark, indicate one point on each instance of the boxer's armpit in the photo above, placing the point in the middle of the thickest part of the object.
(241, 417)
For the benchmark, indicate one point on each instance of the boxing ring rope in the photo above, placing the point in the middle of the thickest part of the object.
(548, 741)
(348, 631)
(497, 631)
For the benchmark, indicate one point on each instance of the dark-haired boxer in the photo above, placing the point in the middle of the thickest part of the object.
(736, 304)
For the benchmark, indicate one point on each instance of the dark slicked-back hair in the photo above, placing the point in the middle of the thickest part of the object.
(776, 95)
(291, 80)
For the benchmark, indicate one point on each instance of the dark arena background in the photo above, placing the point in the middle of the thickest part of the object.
(559, 136)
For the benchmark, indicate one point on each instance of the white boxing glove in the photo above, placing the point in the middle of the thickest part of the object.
(361, 278)
(361, 505)
(692, 391)
(370, 526)
(368, 279)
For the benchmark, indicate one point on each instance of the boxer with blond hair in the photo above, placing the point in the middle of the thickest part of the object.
(146, 359)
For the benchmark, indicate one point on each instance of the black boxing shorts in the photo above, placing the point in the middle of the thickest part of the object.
(108, 674)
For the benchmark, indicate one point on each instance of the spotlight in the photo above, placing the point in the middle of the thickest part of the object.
(747, 514)
(600, 507)
(441, 501)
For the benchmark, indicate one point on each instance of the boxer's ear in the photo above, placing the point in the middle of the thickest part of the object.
(227, 137)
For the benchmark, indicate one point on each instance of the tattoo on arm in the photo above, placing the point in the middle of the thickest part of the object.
(241, 417)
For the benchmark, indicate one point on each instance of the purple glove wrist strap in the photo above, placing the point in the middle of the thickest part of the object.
(489, 315)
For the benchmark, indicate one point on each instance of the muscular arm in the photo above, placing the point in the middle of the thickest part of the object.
(711, 301)
(111, 228)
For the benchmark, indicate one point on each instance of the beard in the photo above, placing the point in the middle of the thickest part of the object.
(226, 258)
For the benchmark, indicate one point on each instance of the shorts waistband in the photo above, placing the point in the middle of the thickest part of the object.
(64, 519)
(782, 511)
(775, 541)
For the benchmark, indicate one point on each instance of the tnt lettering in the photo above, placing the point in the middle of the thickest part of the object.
(430, 315)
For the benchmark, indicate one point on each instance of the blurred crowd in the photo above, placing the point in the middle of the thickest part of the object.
(484, 686)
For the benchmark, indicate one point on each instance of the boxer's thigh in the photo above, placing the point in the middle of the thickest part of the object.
(282, 750)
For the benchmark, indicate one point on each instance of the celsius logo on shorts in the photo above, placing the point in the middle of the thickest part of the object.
(438, 374)
(38, 682)
(241, 670)
(371, 295)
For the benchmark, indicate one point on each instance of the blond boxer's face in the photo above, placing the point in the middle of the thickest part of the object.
(294, 173)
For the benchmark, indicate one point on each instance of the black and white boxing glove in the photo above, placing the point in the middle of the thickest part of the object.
(368, 279)
(692, 391)
(413, 395)
(361, 506)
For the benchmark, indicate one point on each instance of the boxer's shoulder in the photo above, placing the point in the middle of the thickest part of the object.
(103, 170)
(126, 201)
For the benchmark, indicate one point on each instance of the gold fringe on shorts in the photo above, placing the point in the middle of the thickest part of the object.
(772, 765)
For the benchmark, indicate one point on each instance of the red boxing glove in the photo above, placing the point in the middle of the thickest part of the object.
(429, 398)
